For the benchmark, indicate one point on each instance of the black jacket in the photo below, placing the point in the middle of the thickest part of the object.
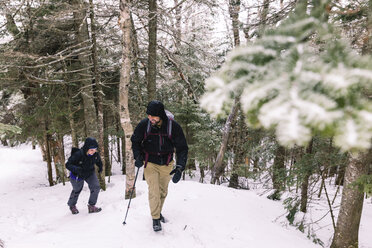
(159, 146)
(82, 165)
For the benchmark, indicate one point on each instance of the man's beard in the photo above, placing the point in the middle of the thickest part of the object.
(156, 123)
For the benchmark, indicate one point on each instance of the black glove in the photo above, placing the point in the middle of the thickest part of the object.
(99, 169)
(177, 171)
(138, 163)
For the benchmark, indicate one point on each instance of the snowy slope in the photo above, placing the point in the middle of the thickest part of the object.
(200, 215)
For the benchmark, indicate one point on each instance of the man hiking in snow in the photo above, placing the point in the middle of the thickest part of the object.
(81, 166)
(153, 143)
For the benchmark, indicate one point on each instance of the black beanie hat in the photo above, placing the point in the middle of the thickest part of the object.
(156, 108)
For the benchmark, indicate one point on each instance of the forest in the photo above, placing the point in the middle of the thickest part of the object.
(275, 92)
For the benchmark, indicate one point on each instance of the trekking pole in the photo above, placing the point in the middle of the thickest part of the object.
(130, 198)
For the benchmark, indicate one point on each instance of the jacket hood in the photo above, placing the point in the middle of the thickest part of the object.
(89, 143)
(156, 108)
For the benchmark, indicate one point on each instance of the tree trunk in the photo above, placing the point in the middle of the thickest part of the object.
(305, 182)
(123, 152)
(347, 228)
(54, 152)
(151, 64)
(219, 166)
(125, 25)
(99, 97)
(75, 142)
(118, 141)
(82, 36)
(263, 17)
(234, 9)
(11, 25)
(239, 138)
(255, 164)
(323, 174)
(340, 175)
(41, 142)
(279, 169)
(106, 155)
(47, 154)
(190, 140)
(367, 41)
(62, 156)
(136, 78)
(202, 174)
(178, 30)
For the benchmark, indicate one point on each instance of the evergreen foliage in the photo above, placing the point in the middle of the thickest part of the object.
(297, 86)
(4, 128)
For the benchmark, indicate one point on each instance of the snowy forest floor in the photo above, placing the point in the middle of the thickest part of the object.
(199, 215)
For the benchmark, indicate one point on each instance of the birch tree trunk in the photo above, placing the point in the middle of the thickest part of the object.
(135, 58)
(99, 98)
(125, 26)
(151, 66)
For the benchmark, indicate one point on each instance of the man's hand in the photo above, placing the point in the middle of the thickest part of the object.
(138, 163)
(177, 171)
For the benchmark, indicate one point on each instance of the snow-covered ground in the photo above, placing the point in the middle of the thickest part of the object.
(199, 215)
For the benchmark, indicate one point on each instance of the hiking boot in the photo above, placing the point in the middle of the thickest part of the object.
(156, 225)
(162, 219)
(74, 210)
(93, 209)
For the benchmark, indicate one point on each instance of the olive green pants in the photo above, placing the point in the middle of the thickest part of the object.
(157, 178)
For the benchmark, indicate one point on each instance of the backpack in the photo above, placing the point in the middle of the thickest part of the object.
(72, 175)
(73, 150)
(169, 135)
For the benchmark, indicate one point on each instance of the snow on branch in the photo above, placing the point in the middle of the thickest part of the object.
(298, 86)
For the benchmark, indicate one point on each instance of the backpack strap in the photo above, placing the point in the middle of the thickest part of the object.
(146, 157)
(169, 129)
(148, 128)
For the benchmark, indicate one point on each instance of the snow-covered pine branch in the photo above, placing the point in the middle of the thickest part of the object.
(297, 86)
